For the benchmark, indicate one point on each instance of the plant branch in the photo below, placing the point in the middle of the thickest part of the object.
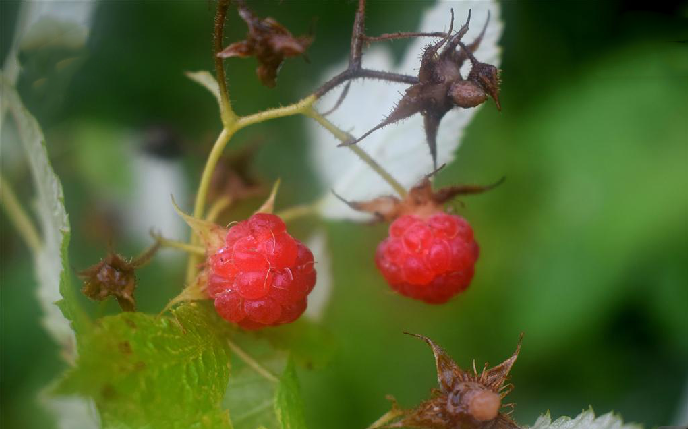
(227, 114)
(402, 35)
(363, 155)
(260, 369)
(218, 207)
(355, 69)
(296, 212)
(187, 247)
(21, 221)
(216, 152)
(350, 74)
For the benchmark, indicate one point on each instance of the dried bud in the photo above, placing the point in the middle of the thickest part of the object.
(115, 276)
(487, 76)
(441, 87)
(269, 42)
(467, 94)
(465, 399)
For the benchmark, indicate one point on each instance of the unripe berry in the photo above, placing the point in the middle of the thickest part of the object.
(428, 259)
(262, 276)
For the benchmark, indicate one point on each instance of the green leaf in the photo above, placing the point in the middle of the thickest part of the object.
(309, 344)
(255, 396)
(288, 401)
(585, 420)
(51, 261)
(208, 81)
(250, 395)
(156, 372)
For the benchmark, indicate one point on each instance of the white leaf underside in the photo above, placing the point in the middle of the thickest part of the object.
(585, 420)
(72, 413)
(319, 298)
(400, 148)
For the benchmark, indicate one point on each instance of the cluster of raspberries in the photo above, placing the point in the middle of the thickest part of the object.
(262, 275)
(428, 259)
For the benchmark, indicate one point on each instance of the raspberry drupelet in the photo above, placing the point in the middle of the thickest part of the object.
(262, 275)
(430, 259)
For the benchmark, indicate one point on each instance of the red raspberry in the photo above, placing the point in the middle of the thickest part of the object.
(262, 275)
(428, 259)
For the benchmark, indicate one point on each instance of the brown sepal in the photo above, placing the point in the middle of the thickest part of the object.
(268, 41)
(441, 87)
(465, 399)
(421, 200)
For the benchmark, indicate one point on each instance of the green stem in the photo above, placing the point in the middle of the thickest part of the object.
(386, 418)
(187, 247)
(21, 221)
(260, 369)
(227, 114)
(218, 207)
(296, 212)
(216, 152)
(363, 155)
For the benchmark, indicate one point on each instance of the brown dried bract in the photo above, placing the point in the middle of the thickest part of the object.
(441, 87)
(421, 200)
(465, 399)
(269, 42)
(115, 276)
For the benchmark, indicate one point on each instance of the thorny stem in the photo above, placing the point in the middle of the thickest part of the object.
(402, 35)
(21, 221)
(355, 69)
(350, 74)
(260, 369)
(228, 115)
(362, 154)
(146, 256)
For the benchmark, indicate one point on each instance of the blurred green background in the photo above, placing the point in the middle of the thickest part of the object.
(584, 248)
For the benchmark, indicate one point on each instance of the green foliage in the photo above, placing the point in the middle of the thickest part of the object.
(255, 396)
(155, 372)
(585, 420)
(288, 401)
(310, 344)
(51, 259)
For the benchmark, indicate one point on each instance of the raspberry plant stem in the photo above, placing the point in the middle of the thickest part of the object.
(362, 154)
(296, 212)
(226, 112)
(218, 207)
(21, 221)
(216, 152)
(189, 248)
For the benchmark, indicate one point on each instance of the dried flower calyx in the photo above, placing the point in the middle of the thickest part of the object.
(441, 87)
(465, 399)
(269, 42)
(115, 276)
(421, 200)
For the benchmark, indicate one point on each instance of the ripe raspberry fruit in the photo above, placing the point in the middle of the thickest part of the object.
(430, 259)
(262, 275)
